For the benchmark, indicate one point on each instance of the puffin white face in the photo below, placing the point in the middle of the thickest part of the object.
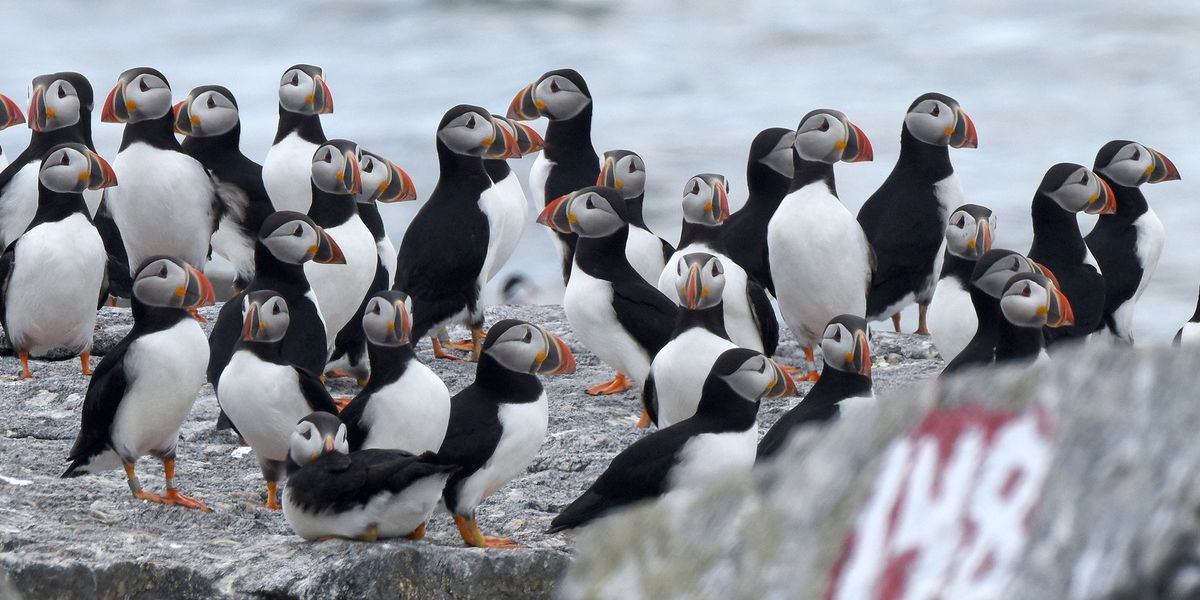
(387, 320)
(828, 136)
(780, 157)
(586, 213)
(54, 106)
(969, 236)
(846, 349)
(295, 242)
(317, 434)
(72, 168)
(1083, 191)
(477, 133)
(140, 95)
(625, 171)
(996, 275)
(1032, 300)
(527, 348)
(699, 280)
(706, 199)
(383, 181)
(172, 283)
(207, 114)
(759, 377)
(265, 317)
(558, 98)
(939, 121)
(302, 90)
(335, 170)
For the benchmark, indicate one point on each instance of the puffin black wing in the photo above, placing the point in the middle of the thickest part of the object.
(764, 316)
(650, 398)
(315, 393)
(438, 265)
(104, 395)
(224, 336)
(352, 416)
(645, 313)
(6, 266)
(779, 434)
(120, 283)
(668, 249)
(472, 435)
(343, 481)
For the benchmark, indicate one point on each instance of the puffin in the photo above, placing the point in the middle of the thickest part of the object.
(749, 317)
(569, 161)
(613, 311)
(677, 372)
(211, 125)
(143, 389)
(1030, 303)
(1065, 190)
(695, 454)
(845, 383)
(60, 111)
(905, 219)
(263, 394)
(382, 181)
(444, 279)
(286, 241)
(52, 275)
(303, 98)
(364, 495)
(647, 253)
(1188, 336)
(952, 317)
(820, 259)
(1128, 242)
(405, 405)
(769, 172)
(167, 204)
(498, 423)
(10, 115)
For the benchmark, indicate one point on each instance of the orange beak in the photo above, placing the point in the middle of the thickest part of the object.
(400, 186)
(556, 214)
(250, 323)
(523, 106)
(115, 110)
(1164, 169)
(1107, 203)
(861, 151)
(559, 359)
(10, 113)
(1059, 313)
(101, 174)
(964, 135)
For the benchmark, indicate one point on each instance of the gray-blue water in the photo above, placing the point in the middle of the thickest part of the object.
(687, 84)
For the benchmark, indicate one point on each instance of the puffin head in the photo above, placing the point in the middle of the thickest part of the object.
(827, 136)
(293, 238)
(1033, 300)
(772, 148)
(994, 269)
(73, 168)
(751, 375)
(473, 131)
(265, 317)
(1076, 189)
(59, 100)
(208, 111)
(593, 212)
(969, 231)
(387, 320)
(335, 168)
(557, 95)
(382, 180)
(171, 283)
(938, 120)
(317, 434)
(845, 345)
(699, 280)
(302, 90)
(526, 348)
(10, 113)
(706, 200)
(623, 170)
(1131, 164)
(141, 94)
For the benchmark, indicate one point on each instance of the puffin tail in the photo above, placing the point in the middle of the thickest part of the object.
(585, 509)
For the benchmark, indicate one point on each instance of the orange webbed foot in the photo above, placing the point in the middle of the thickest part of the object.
(619, 384)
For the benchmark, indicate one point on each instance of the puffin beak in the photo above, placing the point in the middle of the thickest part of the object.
(329, 443)
(115, 108)
(403, 331)
(37, 110)
(100, 173)
(607, 176)
(524, 106)
(327, 251)
(10, 113)
(1164, 169)
(557, 214)
(183, 117)
(721, 204)
(353, 173)
(1044, 270)
(694, 288)
(1058, 310)
(858, 147)
(861, 356)
(964, 135)
(399, 186)
(250, 324)
(199, 290)
(558, 360)
(528, 139)
(983, 237)
(781, 384)
(323, 102)
(1105, 202)
(503, 144)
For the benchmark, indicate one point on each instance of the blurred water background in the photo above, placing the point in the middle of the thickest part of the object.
(687, 84)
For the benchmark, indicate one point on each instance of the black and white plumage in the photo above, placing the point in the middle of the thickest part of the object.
(264, 395)
(498, 423)
(769, 172)
(569, 161)
(508, 208)
(382, 182)
(1065, 190)
(166, 203)
(52, 275)
(1030, 302)
(820, 260)
(676, 380)
(60, 112)
(303, 98)
(1128, 242)
(212, 128)
(443, 258)
(647, 253)
(405, 405)
(952, 317)
(749, 317)
(612, 310)
(905, 219)
(845, 383)
(694, 455)
(143, 389)
(365, 495)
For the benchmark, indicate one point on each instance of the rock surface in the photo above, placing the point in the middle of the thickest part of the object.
(87, 537)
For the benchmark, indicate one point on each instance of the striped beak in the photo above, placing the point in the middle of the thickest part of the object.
(1058, 309)
(860, 358)
(503, 143)
(183, 117)
(858, 147)
(694, 290)
(983, 238)
(964, 135)
(781, 385)
(115, 108)
(100, 174)
(557, 215)
(322, 100)
(403, 325)
(250, 323)
(1105, 202)
(327, 251)
(558, 360)
(1163, 169)
(524, 106)
(528, 139)
(199, 291)
(10, 113)
(399, 186)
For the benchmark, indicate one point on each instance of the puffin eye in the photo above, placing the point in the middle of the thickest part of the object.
(307, 433)
(328, 156)
(275, 310)
(837, 335)
(937, 110)
(1137, 154)
(375, 310)
(824, 125)
(212, 103)
(370, 166)
(716, 270)
(554, 86)
(1026, 291)
(142, 85)
(1084, 181)
(696, 187)
(528, 336)
(632, 167)
(589, 204)
(162, 272)
(961, 221)
(295, 79)
(62, 92)
(66, 160)
(471, 123)
(299, 231)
